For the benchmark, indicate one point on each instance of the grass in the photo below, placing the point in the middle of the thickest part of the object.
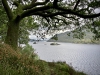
(25, 62)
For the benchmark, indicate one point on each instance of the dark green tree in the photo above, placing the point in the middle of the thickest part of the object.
(52, 13)
(25, 27)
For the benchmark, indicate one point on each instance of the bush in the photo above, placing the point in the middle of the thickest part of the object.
(29, 52)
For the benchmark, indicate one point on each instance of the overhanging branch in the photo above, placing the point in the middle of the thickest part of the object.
(34, 10)
(33, 4)
(72, 12)
(7, 9)
(60, 11)
(68, 12)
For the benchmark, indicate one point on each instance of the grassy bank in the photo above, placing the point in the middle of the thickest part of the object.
(25, 62)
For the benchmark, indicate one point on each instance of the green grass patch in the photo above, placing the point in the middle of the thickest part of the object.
(25, 62)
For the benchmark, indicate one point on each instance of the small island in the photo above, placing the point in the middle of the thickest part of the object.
(54, 43)
(34, 43)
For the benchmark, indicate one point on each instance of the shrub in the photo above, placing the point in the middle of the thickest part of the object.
(29, 52)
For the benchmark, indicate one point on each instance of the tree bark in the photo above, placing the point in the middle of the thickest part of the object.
(12, 34)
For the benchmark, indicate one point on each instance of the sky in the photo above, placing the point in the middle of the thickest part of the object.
(47, 37)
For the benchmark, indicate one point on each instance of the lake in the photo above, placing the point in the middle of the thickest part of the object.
(82, 57)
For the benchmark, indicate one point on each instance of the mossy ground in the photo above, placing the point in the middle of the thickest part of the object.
(21, 63)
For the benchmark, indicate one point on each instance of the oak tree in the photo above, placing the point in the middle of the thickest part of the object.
(52, 13)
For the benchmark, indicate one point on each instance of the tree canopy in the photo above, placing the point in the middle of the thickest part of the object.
(51, 9)
(53, 14)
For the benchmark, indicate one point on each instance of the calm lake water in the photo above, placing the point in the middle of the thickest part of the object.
(82, 57)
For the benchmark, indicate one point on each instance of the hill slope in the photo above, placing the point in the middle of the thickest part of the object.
(22, 62)
(63, 37)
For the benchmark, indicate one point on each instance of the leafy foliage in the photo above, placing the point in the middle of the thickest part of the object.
(3, 22)
(29, 52)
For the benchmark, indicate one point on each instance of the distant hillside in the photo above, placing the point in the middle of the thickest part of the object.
(63, 37)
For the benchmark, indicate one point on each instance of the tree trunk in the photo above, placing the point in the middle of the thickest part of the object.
(12, 34)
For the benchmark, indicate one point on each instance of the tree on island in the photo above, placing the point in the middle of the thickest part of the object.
(51, 13)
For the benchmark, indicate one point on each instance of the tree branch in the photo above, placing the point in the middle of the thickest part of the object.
(60, 11)
(63, 20)
(16, 3)
(33, 4)
(34, 10)
(76, 4)
(68, 12)
(69, 17)
(7, 9)
(55, 3)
